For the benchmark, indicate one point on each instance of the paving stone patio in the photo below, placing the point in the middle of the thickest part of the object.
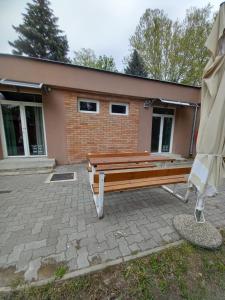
(57, 221)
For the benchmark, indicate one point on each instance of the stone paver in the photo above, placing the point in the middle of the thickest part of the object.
(82, 259)
(15, 255)
(42, 221)
(32, 270)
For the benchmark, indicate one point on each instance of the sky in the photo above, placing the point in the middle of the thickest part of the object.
(102, 25)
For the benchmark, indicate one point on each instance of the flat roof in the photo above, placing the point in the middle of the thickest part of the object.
(95, 69)
(79, 79)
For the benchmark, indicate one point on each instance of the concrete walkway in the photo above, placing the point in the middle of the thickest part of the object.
(53, 223)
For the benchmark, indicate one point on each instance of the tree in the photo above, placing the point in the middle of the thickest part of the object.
(135, 65)
(173, 51)
(196, 28)
(39, 35)
(152, 39)
(87, 57)
(106, 63)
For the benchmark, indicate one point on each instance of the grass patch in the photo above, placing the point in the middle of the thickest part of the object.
(182, 272)
(60, 272)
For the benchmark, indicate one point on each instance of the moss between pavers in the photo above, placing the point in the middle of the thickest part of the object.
(182, 272)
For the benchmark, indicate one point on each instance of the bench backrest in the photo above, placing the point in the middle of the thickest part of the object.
(132, 175)
(116, 154)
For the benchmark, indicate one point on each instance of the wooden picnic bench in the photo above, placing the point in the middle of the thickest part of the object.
(127, 173)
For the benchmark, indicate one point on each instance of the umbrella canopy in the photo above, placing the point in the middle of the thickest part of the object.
(208, 170)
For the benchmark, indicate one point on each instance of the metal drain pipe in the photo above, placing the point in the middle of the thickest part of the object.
(193, 130)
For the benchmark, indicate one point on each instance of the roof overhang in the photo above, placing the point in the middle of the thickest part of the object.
(8, 85)
(172, 102)
(21, 84)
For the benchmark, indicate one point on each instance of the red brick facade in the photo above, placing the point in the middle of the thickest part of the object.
(100, 132)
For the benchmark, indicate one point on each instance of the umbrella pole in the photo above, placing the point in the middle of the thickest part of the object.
(199, 208)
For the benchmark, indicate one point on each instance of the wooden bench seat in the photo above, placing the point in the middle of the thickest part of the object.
(139, 183)
(121, 167)
(143, 174)
(124, 166)
(116, 154)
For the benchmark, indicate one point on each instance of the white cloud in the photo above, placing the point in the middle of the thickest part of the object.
(103, 25)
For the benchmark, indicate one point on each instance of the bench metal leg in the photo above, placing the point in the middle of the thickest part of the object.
(175, 194)
(199, 208)
(99, 198)
(91, 174)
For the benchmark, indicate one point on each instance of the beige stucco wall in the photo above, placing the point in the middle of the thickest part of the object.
(182, 130)
(67, 76)
(145, 128)
(54, 116)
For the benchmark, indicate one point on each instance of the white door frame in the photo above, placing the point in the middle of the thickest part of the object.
(162, 117)
(21, 105)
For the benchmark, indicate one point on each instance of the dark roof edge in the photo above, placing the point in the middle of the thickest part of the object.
(97, 70)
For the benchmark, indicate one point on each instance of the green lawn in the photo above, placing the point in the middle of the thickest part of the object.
(183, 272)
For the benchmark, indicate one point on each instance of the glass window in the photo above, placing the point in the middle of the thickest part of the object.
(119, 109)
(156, 123)
(88, 106)
(13, 129)
(13, 96)
(35, 130)
(166, 137)
(163, 111)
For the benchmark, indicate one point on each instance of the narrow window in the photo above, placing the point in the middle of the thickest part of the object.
(163, 111)
(119, 108)
(88, 106)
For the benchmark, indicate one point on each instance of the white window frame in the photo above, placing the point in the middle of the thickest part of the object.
(117, 103)
(86, 111)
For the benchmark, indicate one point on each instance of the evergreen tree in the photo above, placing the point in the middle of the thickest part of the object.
(39, 35)
(135, 65)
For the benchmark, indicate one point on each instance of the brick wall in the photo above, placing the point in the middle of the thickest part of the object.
(100, 132)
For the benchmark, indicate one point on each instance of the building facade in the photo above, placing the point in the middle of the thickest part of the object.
(64, 111)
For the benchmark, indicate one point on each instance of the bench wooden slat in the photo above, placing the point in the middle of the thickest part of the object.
(124, 166)
(116, 154)
(163, 178)
(136, 184)
(133, 175)
(96, 161)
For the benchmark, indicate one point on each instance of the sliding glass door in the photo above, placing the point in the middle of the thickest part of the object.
(162, 131)
(22, 128)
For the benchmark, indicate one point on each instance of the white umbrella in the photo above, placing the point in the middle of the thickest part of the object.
(208, 170)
